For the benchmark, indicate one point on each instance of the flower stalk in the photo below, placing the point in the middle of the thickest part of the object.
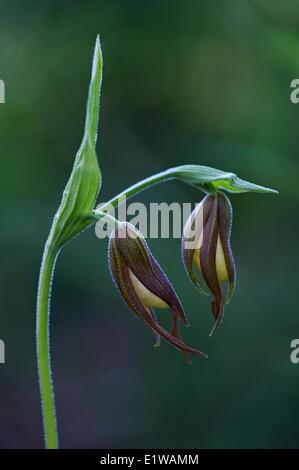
(209, 180)
(141, 281)
(72, 217)
(43, 347)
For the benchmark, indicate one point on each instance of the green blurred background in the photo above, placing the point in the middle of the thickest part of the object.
(204, 82)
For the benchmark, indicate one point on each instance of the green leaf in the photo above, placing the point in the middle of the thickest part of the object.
(212, 179)
(81, 191)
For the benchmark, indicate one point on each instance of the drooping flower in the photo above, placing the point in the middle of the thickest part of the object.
(206, 245)
(144, 285)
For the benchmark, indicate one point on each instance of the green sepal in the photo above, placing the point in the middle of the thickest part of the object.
(211, 179)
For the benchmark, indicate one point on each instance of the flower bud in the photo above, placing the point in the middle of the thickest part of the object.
(144, 285)
(206, 245)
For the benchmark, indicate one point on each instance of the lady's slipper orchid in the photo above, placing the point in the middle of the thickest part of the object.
(143, 284)
(206, 245)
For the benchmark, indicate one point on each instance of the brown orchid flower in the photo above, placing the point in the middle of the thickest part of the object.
(144, 285)
(206, 245)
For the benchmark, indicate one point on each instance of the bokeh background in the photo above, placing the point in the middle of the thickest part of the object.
(204, 82)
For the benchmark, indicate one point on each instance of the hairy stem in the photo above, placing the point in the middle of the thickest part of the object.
(98, 215)
(204, 178)
(171, 173)
(140, 186)
(43, 347)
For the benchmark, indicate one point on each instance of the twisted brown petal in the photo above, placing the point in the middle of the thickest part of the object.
(208, 259)
(211, 251)
(137, 256)
(225, 222)
(192, 232)
(175, 331)
(127, 253)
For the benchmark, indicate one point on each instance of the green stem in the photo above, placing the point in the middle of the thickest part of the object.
(135, 188)
(104, 217)
(171, 173)
(204, 178)
(43, 347)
